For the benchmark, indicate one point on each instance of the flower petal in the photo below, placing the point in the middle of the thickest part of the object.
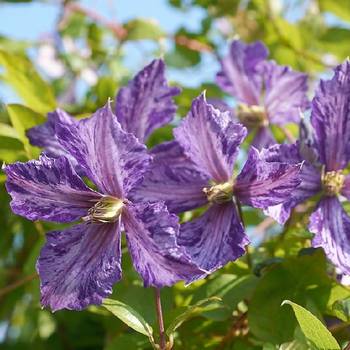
(310, 179)
(113, 159)
(151, 235)
(172, 178)
(48, 189)
(146, 103)
(44, 135)
(210, 139)
(331, 226)
(263, 138)
(238, 75)
(285, 93)
(330, 118)
(222, 106)
(261, 184)
(346, 187)
(215, 238)
(79, 266)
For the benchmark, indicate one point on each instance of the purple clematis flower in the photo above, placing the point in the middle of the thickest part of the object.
(266, 93)
(146, 103)
(326, 157)
(197, 169)
(141, 107)
(79, 265)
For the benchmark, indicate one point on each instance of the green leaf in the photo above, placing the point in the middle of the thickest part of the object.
(21, 75)
(313, 329)
(22, 119)
(8, 131)
(339, 302)
(335, 40)
(341, 309)
(193, 311)
(129, 316)
(294, 345)
(303, 278)
(10, 149)
(231, 288)
(141, 29)
(340, 8)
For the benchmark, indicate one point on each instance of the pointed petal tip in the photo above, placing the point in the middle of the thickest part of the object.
(146, 102)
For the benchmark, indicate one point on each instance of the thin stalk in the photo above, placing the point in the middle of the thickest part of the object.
(162, 337)
(240, 213)
(9, 288)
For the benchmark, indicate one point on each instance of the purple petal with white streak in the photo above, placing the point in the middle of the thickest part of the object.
(147, 102)
(215, 238)
(113, 159)
(310, 179)
(262, 184)
(330, 118)
(210, 139)
(172, 178)
(263, 138)
(331, 226)
(151, 236)
(44, 135)
(48, 189)
(346, 187)
(79, 266)
(285, 93)
(238, 75)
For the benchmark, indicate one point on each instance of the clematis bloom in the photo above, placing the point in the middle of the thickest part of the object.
(326, 153)
(197, 169)
(266, 92)
(79, 265)
(142, 106)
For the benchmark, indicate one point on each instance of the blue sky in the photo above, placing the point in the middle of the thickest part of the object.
(30, 21)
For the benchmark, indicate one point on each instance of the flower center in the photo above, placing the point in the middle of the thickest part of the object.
(219, 193)
(252, 116)
(332, 182)
(106, 210)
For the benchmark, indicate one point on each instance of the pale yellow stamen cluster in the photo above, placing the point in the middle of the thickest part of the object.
(332, 182)
(219, 193)
(106, 210)
(252, 116)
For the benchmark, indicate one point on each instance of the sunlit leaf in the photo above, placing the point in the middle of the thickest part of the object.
(141, 29)
(129, 316)
(22, 119)
(313, 329)
(21, 75)
(340, 8)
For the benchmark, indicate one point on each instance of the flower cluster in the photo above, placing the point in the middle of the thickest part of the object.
(140, 192)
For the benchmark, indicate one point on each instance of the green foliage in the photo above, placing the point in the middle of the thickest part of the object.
(303, 279)
(193, 311)
(23, 78)
(22, 119)
(313, 328)
(141, 29)
(239, 306)
(129, 316)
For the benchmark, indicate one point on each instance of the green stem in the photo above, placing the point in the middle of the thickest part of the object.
(162, 337)
(240, 213)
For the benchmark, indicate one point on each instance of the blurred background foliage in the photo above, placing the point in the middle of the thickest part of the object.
(81, 62)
